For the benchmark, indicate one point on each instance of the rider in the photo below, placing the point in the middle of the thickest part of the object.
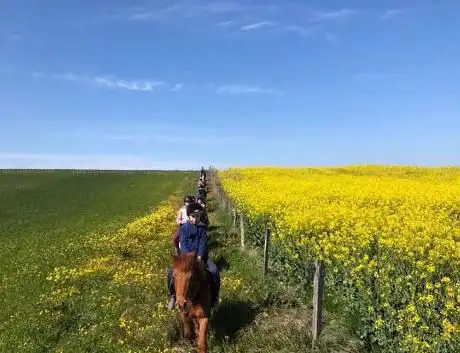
(202, 190)
(204, 217)
(182, 214)
(193, 238)
(181, 219)
(201, 183)
(201, 201)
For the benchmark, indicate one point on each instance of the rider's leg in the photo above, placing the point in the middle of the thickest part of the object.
(214, 271)
(171, 290)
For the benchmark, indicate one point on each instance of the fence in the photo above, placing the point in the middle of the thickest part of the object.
(238, 224)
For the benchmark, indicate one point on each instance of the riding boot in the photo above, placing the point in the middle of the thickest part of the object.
(172, 303)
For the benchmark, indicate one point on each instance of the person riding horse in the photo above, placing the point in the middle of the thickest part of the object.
(201, 183)
(202, 189)
(193, 238)
(181, 219)
(204, 216)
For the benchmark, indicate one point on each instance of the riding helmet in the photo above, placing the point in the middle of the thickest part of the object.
(194, 209)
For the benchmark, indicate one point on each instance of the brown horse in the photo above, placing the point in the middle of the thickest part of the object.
(193, 297)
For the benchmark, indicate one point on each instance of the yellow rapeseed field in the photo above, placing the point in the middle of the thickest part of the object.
(389, 236)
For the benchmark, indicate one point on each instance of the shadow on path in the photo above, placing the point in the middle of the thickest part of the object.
(230, 317)
(212, 229)
(213, 243)
(222, 264)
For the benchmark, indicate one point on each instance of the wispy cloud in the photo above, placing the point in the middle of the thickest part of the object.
(242, 89)
(180, 10)
(389, 14)
(236, 16)
(258, 25)
(319, 16)
(225, 23)
(144, 85)
(152, 14)
(141, 86)
(114, 83)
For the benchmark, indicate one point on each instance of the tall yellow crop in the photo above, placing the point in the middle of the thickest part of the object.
(390, 237)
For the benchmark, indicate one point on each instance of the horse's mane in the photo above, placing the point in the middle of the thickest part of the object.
(185, 263)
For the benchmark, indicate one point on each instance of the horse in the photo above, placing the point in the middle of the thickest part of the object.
(193, 297)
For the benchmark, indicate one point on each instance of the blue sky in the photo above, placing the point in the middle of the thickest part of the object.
(177, 84)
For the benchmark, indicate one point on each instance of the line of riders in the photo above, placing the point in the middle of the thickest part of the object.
(191, 236)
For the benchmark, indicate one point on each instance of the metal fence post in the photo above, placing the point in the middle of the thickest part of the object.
(266, 247)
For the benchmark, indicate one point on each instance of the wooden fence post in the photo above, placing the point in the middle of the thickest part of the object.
(266, 246)
(234, 218)
(318, 288)
(242, 230)
(224, 202)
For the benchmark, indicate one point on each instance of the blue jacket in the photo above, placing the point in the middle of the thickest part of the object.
(194, 238)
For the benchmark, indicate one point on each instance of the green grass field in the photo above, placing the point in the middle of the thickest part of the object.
(45, 219)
